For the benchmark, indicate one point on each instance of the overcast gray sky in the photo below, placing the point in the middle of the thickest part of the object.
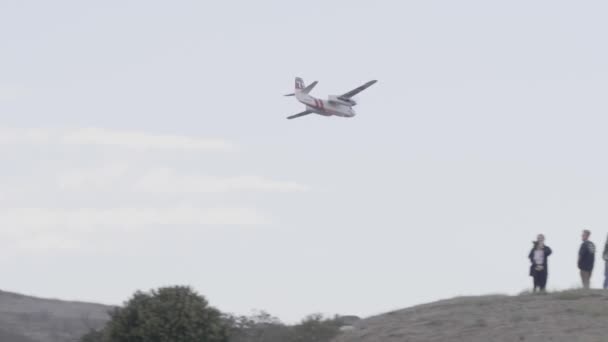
(144, 143)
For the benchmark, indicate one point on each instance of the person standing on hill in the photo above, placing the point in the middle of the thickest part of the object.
(539, 269)
(605, 257)
(586, 258)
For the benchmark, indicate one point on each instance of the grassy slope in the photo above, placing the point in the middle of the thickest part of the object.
(30, 319)
(568, 316)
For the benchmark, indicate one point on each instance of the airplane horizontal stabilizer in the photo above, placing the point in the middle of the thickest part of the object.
(309, 87)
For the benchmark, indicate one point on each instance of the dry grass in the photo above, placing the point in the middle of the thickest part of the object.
(570, 316)
(44, 320)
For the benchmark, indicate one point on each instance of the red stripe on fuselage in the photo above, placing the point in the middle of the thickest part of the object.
(319, 103)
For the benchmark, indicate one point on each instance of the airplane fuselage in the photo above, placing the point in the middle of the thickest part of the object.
(325, 107)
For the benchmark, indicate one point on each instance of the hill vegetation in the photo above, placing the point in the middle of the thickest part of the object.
(573, 315)
(30, 319)
(568, 316)
(179, 314)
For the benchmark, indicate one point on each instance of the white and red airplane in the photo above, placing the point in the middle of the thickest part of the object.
(338, 105)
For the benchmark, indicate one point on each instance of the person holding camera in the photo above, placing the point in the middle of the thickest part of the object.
(539, 268)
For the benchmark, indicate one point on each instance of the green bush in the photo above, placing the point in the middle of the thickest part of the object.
(169, 314)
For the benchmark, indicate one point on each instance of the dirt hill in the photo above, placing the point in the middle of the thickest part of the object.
(30, 319)
(570, 316)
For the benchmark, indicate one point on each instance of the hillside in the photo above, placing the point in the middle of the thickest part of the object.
(570, 316)
(31, 319)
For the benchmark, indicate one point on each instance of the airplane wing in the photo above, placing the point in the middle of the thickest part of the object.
(357, 90)
(306, 112)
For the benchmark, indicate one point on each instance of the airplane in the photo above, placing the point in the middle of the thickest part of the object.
(337, 105)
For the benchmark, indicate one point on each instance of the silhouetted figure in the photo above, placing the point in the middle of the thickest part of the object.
(605, 257)
(586, 258)
(539, 269)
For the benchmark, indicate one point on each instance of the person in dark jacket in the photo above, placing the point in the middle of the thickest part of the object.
(586, 259)
(539, 268)
(605, 257)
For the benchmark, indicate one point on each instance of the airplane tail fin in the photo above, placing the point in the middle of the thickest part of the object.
(301, 87)
(299, 83)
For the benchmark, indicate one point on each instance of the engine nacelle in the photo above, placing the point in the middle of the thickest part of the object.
(345, 102)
